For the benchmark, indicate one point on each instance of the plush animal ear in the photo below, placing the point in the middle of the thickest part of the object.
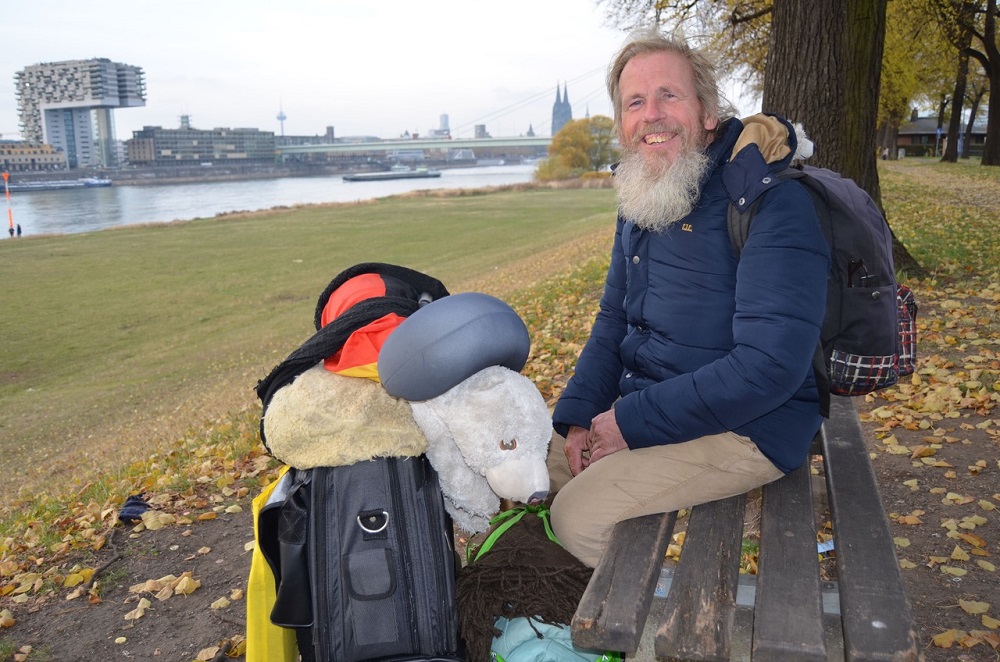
(448, 341)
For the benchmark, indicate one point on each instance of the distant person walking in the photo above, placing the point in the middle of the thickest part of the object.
(18, 229)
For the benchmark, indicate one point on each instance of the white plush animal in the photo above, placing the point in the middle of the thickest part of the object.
(488, 438)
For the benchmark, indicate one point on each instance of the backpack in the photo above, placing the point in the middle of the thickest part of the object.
(364, 563)
(869, 335)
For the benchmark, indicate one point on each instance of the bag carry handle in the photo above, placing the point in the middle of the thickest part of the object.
(509, 519)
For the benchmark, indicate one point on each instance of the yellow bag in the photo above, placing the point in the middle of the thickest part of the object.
(266, 642)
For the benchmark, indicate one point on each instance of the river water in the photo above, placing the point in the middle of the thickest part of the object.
(89, 209)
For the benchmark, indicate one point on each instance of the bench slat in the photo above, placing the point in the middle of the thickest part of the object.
(788, 612)
(876, 616)
(616, 603)
(701, 604)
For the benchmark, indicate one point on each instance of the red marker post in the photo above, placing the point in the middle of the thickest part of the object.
(10, 212)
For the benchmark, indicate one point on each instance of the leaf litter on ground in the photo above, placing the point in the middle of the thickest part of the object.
(945, 215)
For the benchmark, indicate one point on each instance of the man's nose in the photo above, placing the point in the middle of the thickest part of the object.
(653, 110)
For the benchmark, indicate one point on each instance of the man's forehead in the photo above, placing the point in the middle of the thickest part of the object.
(666, 68)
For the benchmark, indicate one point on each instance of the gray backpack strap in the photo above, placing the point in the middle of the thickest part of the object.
(739, 227)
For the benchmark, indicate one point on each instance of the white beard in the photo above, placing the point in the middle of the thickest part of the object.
(654, 198)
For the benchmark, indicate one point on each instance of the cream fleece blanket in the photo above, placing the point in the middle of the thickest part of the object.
(325, 419)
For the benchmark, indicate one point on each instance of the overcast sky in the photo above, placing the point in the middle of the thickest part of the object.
(378, 67)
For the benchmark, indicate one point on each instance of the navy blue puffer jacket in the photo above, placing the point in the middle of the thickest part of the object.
(691, 340)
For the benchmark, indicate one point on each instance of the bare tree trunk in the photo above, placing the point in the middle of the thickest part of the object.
(955, 124)
(973, 111)
(823, 70)
(802, 79)
(864, 40)
(991, 150)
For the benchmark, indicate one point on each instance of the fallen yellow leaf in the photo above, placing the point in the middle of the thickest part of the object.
(959, 554)
(239, 647)
(187, 585)
(207, 654)
(139, 611)
(946, 639)
(986, 565)
(951, 570)
(6, 619)
(990, 623)
(901, 542)
(973, 607)
(972, 539)
(73, 579)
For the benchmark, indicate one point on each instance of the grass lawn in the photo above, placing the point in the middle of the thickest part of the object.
(117, 340)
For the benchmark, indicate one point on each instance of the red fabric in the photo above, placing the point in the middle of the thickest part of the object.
(359, 355)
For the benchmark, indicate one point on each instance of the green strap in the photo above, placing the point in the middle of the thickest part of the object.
(509, 518)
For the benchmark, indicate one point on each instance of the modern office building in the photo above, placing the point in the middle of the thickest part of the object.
(156, 146)
(69, 105)
(18, 156)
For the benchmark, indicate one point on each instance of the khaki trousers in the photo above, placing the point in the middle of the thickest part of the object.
(660, 479)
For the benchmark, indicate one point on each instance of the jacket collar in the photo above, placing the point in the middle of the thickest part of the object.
(747, 175)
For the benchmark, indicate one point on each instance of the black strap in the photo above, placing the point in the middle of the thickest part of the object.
(738, 224)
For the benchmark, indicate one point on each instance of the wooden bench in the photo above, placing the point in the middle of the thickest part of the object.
(787, 617)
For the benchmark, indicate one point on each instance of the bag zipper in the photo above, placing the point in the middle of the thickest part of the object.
(403, 543)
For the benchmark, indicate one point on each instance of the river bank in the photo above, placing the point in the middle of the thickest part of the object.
(134, 176)
(180, 199)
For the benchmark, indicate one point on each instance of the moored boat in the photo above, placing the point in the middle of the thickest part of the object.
(58, 184)
(396, 172)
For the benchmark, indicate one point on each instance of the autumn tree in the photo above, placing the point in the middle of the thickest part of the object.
(586, 145)
(917, 62)
(978, 19)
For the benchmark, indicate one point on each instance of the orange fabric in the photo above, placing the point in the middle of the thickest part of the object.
(354, 290)
(359, 355)
(362, 347)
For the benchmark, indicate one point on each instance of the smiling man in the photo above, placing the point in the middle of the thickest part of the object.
(696, 383)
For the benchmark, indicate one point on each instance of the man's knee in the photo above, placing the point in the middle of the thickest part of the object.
(582, 531)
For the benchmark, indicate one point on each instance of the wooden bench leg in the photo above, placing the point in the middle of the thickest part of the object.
(788, 612)
(616, 603)
(701, 605)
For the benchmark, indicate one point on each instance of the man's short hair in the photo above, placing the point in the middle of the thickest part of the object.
(650, 40)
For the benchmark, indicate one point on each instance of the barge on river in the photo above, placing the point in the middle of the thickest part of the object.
(396, 172)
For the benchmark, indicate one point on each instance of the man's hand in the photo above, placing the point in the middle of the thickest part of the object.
(605, 436)
(577, 449)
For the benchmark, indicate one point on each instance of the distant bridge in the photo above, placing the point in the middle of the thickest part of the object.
(399, 145)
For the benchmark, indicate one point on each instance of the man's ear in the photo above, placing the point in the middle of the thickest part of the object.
(711, 122)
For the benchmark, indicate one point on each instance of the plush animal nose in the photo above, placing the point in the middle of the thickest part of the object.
(537, 498)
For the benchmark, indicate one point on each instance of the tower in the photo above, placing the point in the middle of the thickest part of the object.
(69, 105)
(281, 118)
(562, 112)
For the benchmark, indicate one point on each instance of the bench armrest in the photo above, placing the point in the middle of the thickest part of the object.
(877, 620)
(616, 603)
